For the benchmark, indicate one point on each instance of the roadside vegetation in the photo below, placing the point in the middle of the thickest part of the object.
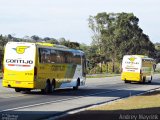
(138, 106)
(149, 100)
(114, 35)
(102, 75)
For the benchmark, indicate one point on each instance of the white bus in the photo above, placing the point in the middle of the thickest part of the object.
(137, 68)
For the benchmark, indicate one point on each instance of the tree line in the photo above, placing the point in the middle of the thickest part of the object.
(114, 35)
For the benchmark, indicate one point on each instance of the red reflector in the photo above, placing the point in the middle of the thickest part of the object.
(26, 65)
(11, 65)
(19, 65)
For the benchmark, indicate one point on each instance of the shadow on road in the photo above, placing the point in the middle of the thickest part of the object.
(94, 92)
(153, 83)
(98, 92)
(140, 114)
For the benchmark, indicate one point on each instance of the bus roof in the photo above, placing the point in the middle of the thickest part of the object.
(51, 45)
(142, 56)
(77, 52)
(60, 47)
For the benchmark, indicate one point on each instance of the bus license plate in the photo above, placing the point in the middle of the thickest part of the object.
(17, 82)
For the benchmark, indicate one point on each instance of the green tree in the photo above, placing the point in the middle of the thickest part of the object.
(50, 40)
(35, 38)
(3, 41)
(157, 47)
(74, 45)
(119, 34)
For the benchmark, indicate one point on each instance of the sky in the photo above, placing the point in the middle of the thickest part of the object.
(69, 18)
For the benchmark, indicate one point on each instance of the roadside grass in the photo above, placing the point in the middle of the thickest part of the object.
(149, 100)
(101, 75)
(137, 106)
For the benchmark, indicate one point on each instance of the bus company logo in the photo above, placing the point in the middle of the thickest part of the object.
(132, 59)
(20, 49)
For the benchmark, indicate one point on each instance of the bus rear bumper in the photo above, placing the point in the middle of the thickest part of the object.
(17, 84)
(127, 76)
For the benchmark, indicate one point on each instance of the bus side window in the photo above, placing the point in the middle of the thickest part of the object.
(41, 55)
(71, 57)
(65, 55)
(60, 57)
(68, 57)
(44, 55)
(77, 59)
(40, 59)
(53, 56)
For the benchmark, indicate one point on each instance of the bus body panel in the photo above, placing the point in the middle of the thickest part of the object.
(18, 79)
(32, 64)
(77, 73)
(136, 67)
(65, 74)
(131, 76)
(147, 67)
(19, 62)
(62, 73)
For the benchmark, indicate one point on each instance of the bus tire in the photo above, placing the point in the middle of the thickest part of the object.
(144, 79)
(27, 90)
(47, 87)
(126, 81)
(150, 80)
(17, 89)
(53, 85)
(77, 84)
(42, 90)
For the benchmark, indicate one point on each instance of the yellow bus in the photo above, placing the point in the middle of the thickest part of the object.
(137, 68)
(42, 66)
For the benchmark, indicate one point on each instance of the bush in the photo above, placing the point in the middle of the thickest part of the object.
(106, 68)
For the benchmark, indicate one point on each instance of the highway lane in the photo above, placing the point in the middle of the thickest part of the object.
(11, 99)
(97, 90)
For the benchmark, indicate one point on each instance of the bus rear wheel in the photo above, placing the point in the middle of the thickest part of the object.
(47, 88)
(53, 85)
(77, 84)
(144, 79)
(126, 81)
(17, 89)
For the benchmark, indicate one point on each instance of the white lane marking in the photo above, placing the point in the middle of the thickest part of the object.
(96, 105)
(11, 96)
(67, 99)
(38, 104)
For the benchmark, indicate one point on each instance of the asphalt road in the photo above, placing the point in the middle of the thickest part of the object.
(35, 105)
